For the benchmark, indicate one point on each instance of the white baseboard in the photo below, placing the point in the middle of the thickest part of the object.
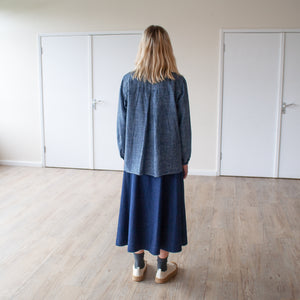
(39, 164)
(202, 172)
(21, 163)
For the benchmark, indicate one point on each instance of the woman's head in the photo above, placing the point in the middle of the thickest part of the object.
(155, 59)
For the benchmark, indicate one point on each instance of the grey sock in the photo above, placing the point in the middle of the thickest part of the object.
(162, 263)
(139, 260)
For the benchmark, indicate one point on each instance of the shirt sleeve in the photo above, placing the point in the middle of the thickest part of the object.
(121, 118)
(183, 113)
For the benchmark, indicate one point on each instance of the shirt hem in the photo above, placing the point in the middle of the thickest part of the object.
(154, 174)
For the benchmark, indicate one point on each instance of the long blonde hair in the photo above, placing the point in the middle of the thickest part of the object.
(155, 59)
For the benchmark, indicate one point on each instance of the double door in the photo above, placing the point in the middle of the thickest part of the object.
(261, 105)
(81, 78)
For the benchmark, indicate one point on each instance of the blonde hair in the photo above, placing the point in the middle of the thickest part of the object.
(155, 60)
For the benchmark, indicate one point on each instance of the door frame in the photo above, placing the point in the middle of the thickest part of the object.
(90, 58)
(222, 33)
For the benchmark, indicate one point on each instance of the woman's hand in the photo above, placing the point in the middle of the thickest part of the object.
(185, 171)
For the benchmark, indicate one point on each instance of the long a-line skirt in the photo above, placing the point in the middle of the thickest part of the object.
(152, 213)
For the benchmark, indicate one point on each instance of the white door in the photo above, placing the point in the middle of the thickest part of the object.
(113, 57)
(250, 104)
(76, 134)
(65, 69)
(289, 163)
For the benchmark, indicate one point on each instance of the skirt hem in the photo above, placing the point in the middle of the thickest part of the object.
(151, 250)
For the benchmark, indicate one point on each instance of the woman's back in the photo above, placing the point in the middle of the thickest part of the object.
(158, 135)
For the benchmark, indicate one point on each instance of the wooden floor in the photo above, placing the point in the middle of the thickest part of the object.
(58, 229)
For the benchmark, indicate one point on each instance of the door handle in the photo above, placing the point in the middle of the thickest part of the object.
(284, 106)
(95, 101)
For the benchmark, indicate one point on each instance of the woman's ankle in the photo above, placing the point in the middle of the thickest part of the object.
(162, 263)
(139, 261)
(163, 254)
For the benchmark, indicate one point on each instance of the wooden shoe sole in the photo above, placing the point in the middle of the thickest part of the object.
(164, 280)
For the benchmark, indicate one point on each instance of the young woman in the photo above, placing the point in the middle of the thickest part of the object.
(154, 139)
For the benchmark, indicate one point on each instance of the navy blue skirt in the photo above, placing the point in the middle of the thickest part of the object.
(152, 213)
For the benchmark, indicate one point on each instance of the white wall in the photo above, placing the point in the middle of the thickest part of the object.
(193, 25)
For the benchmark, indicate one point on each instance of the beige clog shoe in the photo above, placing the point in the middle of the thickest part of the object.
(138, 273)
(164, 276)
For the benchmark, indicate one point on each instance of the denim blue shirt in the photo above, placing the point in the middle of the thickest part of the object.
(153, 126)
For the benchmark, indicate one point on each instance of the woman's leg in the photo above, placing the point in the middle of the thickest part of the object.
(165, 270)
(163, 254)
(162, 260)
(139, 266)
(139, 261)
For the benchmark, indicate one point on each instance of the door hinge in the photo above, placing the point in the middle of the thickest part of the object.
(42, 50)
(223, 47)
(45, 149)
(220, 155)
